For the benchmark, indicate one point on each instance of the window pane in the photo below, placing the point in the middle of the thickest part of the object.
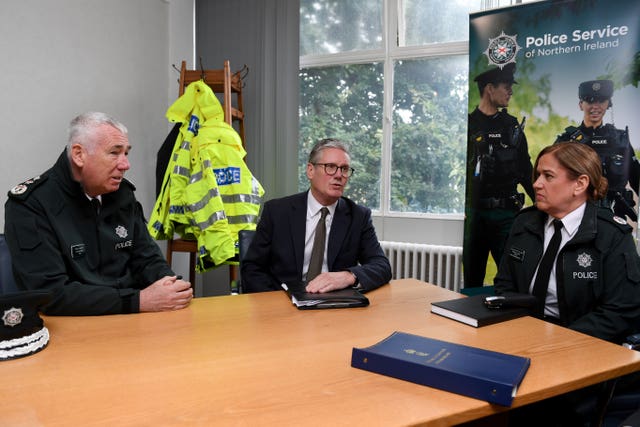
(434, 21)
(429, 135)
(345, 102)
(333, 26)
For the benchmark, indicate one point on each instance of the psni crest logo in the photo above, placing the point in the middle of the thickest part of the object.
(584, 260)
(502, 50)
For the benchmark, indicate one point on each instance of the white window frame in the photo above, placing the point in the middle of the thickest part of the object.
(388, 55)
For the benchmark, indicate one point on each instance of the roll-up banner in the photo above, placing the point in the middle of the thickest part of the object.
(555, 70)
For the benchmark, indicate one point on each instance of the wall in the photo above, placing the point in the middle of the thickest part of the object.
(66, 57)
(70, 56)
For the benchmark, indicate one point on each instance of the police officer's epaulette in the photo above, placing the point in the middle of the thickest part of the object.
(567, 134)
(619, 222)
(611, 129)
(527, 209)
(129, 183)
(24, 189)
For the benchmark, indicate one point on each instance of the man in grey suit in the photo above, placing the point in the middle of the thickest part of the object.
(282, 247)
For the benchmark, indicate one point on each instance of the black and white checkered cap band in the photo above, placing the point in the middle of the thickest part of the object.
(24, 346)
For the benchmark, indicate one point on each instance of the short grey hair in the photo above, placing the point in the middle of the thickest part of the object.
(325, 143)
(82, 129)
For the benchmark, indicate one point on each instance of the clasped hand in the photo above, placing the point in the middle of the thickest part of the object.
(166, 294)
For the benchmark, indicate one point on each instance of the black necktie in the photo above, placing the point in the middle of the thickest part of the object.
(317, 252)
(96, 205)
(544, 270)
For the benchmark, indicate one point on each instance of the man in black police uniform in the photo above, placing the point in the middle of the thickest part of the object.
(78, 231)
(619, 163)
(497, 161)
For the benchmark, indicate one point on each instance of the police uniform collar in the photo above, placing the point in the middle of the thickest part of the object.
(571, 221)
(594, 128)
(587, 229)
(62, 169)
(497, 114)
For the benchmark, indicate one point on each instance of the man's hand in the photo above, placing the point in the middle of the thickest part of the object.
(166, 294)
(331, 281)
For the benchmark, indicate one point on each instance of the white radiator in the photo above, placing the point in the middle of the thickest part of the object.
(436, 264)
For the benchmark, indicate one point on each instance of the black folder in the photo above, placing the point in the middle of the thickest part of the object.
(342, 298)
(472, 311)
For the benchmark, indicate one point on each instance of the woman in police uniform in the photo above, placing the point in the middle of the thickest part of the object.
(594, 286)
(594, 283)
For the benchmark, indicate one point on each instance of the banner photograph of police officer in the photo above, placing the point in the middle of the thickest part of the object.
(542, 73)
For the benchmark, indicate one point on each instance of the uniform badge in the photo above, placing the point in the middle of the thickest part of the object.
(595, 86)
(584, 260)
(19, 189)
(12, 317)
(77, 251)
(24, 186)
(517, 253)
(619, 220)
(121, 232)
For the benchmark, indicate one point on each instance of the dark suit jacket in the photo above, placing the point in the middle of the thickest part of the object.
(276, 254)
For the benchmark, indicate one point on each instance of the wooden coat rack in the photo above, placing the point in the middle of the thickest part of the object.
(221, 81)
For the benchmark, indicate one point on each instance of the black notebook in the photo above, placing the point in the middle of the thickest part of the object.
(472, 311)
(343, 298)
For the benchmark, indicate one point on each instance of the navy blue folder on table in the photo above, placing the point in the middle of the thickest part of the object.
(469, 371)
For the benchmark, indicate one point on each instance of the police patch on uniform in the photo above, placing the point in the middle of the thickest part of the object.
(517, 253)
(619, 220)
(12, 317)
(121, 232)
(584, 260)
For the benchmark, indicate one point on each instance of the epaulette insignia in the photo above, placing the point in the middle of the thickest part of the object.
(23, 187)
(619, 220)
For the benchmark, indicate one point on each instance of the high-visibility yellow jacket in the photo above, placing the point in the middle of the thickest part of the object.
(208, 192)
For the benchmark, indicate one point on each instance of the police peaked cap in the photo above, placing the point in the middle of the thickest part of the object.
(22, 330)
(497, 75)
(595, 89)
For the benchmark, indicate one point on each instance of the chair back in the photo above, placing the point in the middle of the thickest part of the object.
(244, 241)
(7, 282)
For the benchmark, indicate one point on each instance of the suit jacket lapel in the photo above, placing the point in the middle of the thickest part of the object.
(339, 229)
(298, 221)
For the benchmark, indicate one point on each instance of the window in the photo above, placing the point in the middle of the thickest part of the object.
(390, 77)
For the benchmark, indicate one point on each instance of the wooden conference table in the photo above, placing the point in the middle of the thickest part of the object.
(255, 360)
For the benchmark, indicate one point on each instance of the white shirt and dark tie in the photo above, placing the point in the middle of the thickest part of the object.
(96, 202)
(314, 214)
(570, 224)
